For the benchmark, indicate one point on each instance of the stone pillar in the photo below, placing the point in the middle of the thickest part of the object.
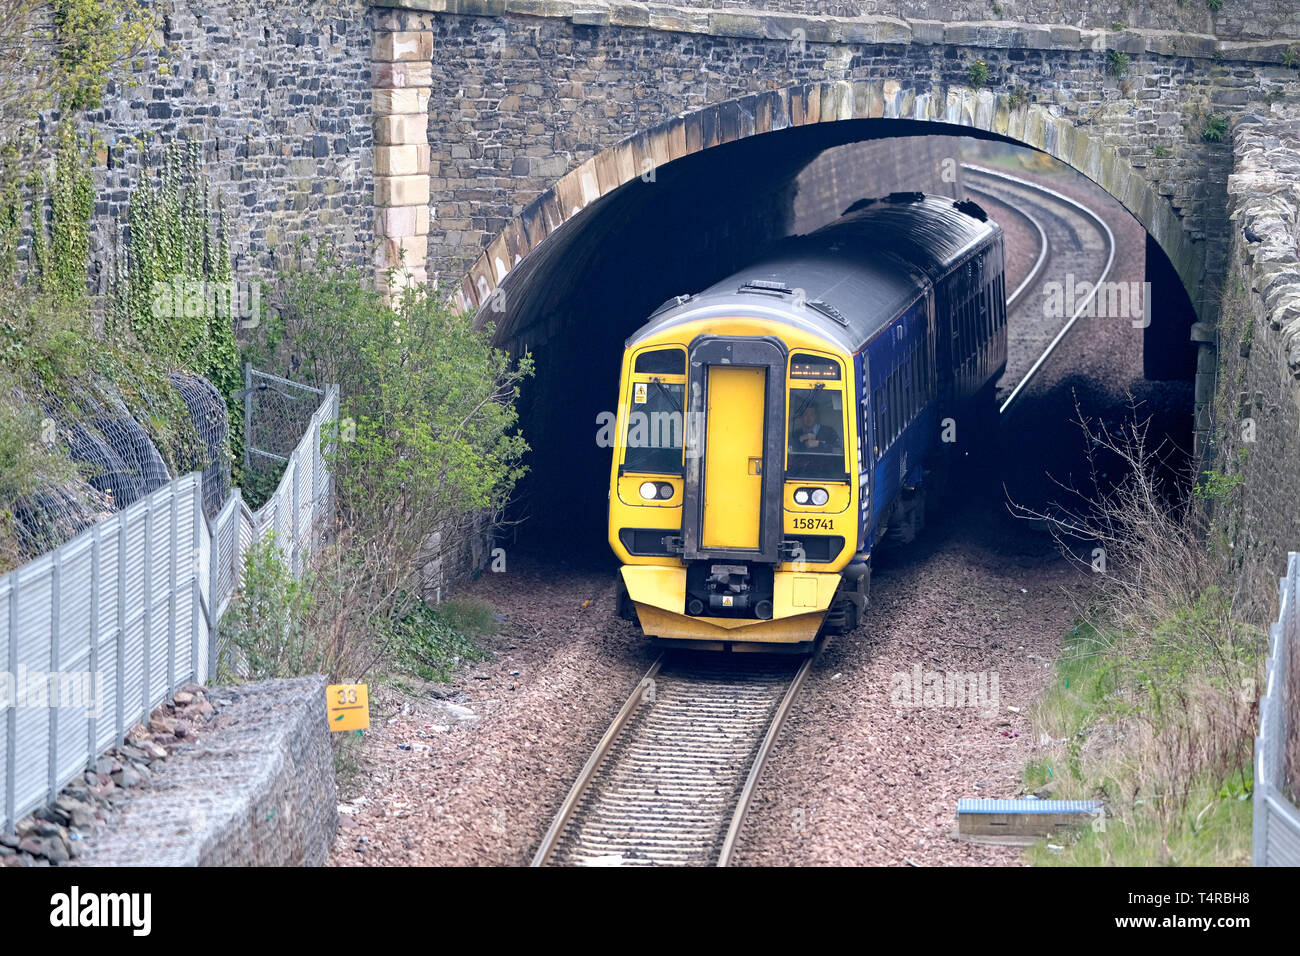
(401, 75)
(1206, 340)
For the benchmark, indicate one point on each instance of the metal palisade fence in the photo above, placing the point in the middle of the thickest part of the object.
(97, 633)
(1276, 837)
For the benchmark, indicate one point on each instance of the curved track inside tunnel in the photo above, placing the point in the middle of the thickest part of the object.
(1075, 242)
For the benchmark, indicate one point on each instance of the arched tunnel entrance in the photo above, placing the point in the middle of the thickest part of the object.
(674, 229)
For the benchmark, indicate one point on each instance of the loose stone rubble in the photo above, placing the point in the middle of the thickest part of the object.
(57, 834)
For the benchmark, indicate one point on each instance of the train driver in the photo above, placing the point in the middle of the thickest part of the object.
(814, 438)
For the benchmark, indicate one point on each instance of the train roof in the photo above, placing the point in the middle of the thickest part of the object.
(855, 274)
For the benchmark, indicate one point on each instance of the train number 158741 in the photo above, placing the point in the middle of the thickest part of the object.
(814, 524)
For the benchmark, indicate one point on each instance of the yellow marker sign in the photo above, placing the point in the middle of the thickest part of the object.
(348, 706)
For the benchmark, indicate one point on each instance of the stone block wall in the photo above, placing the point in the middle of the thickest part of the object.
(402, 79)
(844, 174)
(1236, 19)
(1257, 405)
(280, 100)
(527, 95)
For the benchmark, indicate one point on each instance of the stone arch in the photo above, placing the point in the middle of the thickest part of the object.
(984, 110)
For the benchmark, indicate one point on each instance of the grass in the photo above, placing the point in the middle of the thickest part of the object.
(1016, 159)
(432, 640)
(1092, 717)
(1212, 829)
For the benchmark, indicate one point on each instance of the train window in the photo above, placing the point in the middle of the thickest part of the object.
(662, 361)
(913, 369)
(905, 391)
(960, 320)
(655, 428)
(816, 447)
(909, 387)
(895, 405)
(891, 406)
(972, 324)
(878, 403)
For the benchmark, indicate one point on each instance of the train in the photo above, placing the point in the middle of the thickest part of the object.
(774, 429)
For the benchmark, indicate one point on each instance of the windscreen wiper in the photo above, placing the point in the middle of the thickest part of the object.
(667, 394)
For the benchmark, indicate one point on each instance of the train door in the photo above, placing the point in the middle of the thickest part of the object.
(866, 450)
(733, 468)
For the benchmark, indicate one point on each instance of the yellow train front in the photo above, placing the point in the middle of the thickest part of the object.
(773, 428)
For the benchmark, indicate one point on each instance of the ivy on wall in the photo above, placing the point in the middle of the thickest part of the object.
(61, 249)
(92, 37)
(61, 54)
(172, 287)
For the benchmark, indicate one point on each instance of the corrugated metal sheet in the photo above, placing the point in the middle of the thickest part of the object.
(114, 620)
(1276, 835)
(975, 805)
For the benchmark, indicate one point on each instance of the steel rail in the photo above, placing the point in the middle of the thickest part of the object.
(672, 784)
(760, 759)
(1043, 243)
(593, 763)
(1110, 261)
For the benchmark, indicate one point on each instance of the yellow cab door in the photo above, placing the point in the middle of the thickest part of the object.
(733, 460)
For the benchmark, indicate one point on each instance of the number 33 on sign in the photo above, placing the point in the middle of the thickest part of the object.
(348, 706)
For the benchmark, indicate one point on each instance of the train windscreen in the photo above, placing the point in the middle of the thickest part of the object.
(816, 445)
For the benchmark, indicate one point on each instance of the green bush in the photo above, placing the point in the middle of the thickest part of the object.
(1153, 707)
(426, 447)
(427, 436)
(264, 632)
(1217, 487)
(60, 54)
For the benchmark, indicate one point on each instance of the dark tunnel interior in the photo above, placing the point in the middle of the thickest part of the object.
(576, 298)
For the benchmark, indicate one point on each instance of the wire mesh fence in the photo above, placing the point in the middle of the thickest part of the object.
(98, 632)
(1276, 837)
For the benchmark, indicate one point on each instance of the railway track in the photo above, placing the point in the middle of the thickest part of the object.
(671, 780)
(1072, 240)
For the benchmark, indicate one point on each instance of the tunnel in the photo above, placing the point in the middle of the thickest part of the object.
(673, 230)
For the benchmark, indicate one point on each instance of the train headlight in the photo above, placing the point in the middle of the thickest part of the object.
(665, 491)
(649, 490)
(811, 496)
